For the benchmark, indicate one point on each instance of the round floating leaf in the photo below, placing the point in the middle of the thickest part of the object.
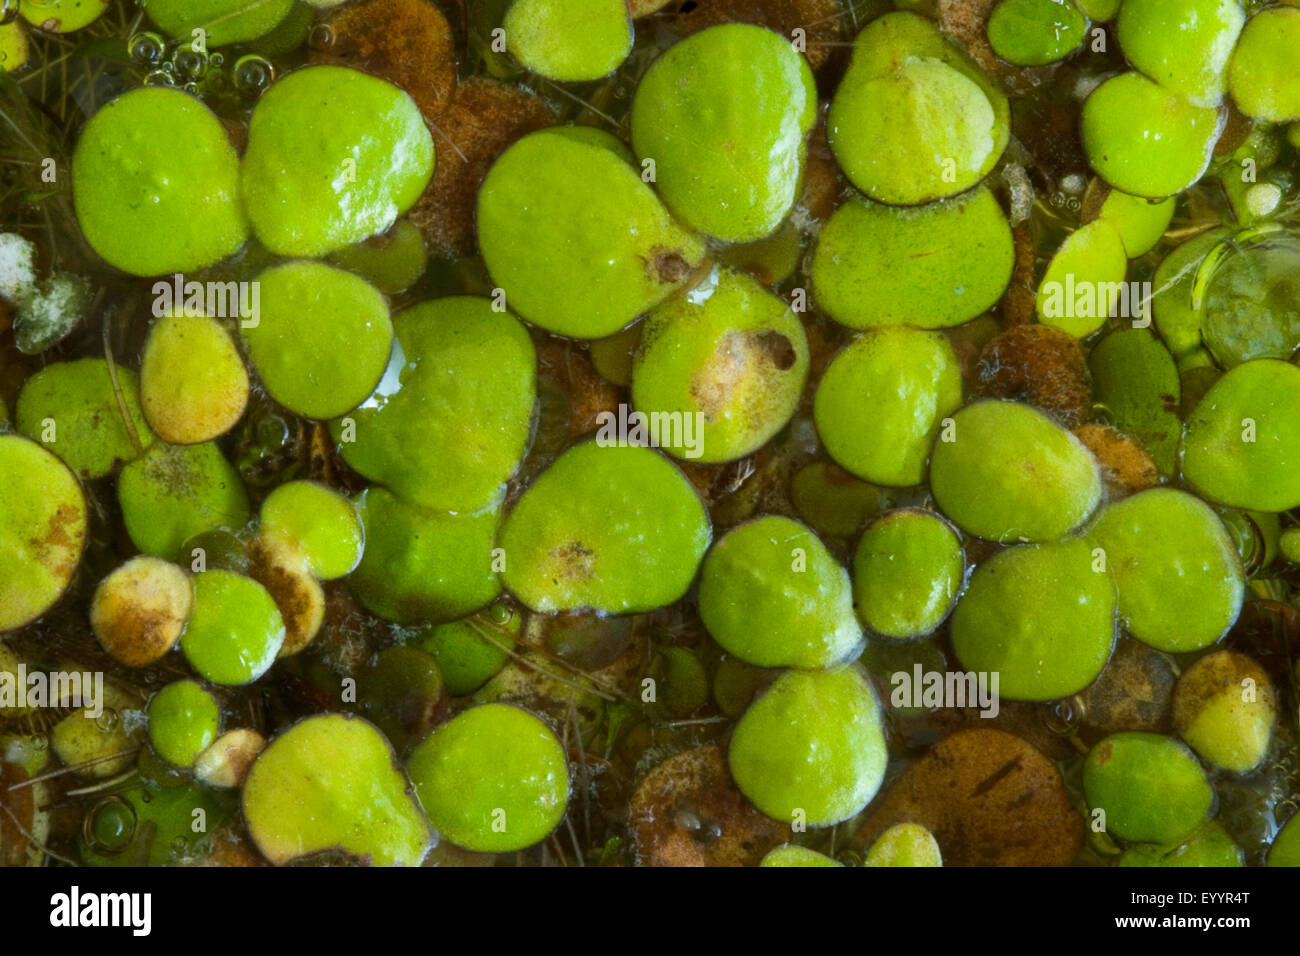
(1251, 297)
(1035, 32)
(932, 267)
(616, 529)
(1098, 9)
(494, 779)
(831, 501)
(471, 651)
(1225, 707)
(727, 364)
(1262, 76)
(402, 691)
(42, 530)
(569, 40)
(1140, 222)
(907, 572)
(812, 747)
(14, 48)
(1212, 846)
(578, 242)
(139, 610)
(193, 384)
(222, 21)
(1134, 377)
(451, 418)
(1151, 787)
(1040, 616)
(62, 16)
(333, 156)
(1164, 144)
(724, 115)
(1008, 472)
(422, 565)
(235, 630)
(183, 721)
(879, 405)
(322, 339)
(904, 844)
(152, 204)
(1171, 303)
(1241, 444)
(1177, 571)
(1083, 284)
(392, 262)
(913, 120)
(790, 855)
(1184, 46)
(174, 492)
(332, 782)
(776, 571)
(71, 408)
(318, 521)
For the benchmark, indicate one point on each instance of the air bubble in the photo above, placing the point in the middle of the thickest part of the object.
(109, 826)
(252, 74)
(1062, 717)
(146, 49)
(159, 78)
(9, 11)
(321, 38)
(190, 64)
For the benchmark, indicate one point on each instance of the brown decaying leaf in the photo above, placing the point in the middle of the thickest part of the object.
(821, 20)
(989, 798)
(407, 42)
(483, 118)
(1125, 465)
(1041, 366)
(588, 393)
(688, 812)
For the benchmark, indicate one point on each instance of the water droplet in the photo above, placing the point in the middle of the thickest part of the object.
(179, 845)
(500, 612)
(146, 49)
(107, 720)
